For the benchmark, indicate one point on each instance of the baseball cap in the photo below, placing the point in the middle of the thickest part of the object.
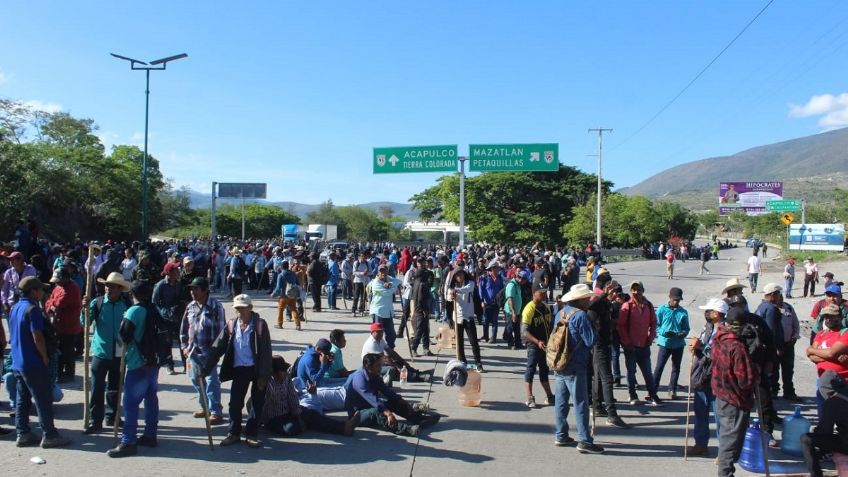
(828, 275)
(833, 289)
(199, 282)
(376, 327)
(736, 316)
(716, 304)
(28, 284)
(636, 283)
(15, 255)
(242, 301)
(522, 274)
(323, 345)
(59, 274)
(170, 267)
(832, 310)
(675, 293)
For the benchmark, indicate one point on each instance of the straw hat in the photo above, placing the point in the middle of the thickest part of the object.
(116, 278)
(731, 284)
(577, 292)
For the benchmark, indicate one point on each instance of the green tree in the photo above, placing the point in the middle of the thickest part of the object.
(361, 223)
(326, 214)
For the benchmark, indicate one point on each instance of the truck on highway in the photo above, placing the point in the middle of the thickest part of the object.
(322, 232)
(293, 232)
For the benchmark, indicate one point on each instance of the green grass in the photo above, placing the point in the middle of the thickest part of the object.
(818, 255)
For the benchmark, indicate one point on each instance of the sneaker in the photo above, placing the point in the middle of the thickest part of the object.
(565, 442)
(480, 368)
(634, 401)
(427, 352)
(696, 450)
(549, 401)
(171, 371)
(27, 439)
(616, 421)
(253, 442)
(123, 450)
(57, 441)
(589, 448)
(600, 413)
(413, 430)
(421, 407)
(429, 420)
(147, 441)
(531, 402)
(230, 440)
(654, 401)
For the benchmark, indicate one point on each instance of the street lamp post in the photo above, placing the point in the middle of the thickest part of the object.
(159, 64)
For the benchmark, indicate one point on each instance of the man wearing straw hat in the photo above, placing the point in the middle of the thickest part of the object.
(571, 381)
(106, 313)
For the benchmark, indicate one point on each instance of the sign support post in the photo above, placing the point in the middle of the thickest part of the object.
(214, 194)
(462, 202)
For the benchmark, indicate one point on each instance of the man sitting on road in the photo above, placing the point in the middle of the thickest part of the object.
(393, 363)
(377, 404)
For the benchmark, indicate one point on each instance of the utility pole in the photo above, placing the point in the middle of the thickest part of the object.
(462, 202)
(600, 132)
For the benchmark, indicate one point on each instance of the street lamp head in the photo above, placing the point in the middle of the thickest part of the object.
(170, 58)
(131, 60)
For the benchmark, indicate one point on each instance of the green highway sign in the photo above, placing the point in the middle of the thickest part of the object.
(389, 160)
(514, 157)
(785, 205)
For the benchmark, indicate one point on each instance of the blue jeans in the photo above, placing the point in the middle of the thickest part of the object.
(490, 320)
(140, 384)
(639, 357)
(787, 286)
(616, 353)
(331, 295)
(33, 385)
(676, 355)
(437, 310)
(12, 388)
(752, 279)
(572, 386)
(388, 329)
(213, 388)
(704, 403)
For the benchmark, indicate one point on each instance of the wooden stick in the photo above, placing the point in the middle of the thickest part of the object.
(89, 293)
(688, 409)
(123, 369)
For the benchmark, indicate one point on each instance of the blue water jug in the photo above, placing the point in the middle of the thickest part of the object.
(751, 458)
(794, 427)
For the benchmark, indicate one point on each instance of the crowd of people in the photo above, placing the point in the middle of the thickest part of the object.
(139, 299)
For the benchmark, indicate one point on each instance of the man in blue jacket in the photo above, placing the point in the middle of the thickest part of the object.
(672, 329)
(571, 381)
(490, 285)
(315, 362)
(377, 404)
(770, 312)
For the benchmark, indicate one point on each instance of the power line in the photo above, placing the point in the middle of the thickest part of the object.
(692, 81)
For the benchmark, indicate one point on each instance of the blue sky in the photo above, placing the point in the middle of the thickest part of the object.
(298, 94)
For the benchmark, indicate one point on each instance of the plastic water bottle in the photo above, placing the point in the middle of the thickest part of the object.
(404, 374)
(794, 427)
(469, 395)
(751, 458)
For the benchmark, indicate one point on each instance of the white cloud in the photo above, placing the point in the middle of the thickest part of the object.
(44, 106)
(833, 109)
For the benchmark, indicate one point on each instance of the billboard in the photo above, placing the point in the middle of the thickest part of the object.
(817, 237)
(748, 197)
(236, 190)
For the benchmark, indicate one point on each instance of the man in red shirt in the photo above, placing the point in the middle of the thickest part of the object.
(734, 379)
(829, 347)
(63, 307)
(637, 329)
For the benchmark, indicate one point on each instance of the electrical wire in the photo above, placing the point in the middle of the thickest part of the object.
(693, 80)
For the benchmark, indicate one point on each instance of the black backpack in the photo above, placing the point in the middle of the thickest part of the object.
(241, 266)
(155, 343)
(501, 298)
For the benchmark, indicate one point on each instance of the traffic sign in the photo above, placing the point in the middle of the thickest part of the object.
(415, 159)
(787, 218)
(514, 157)
(785, 205)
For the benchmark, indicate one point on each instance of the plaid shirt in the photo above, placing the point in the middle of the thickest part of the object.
(200, 326)
(734, 374)
(280, 399)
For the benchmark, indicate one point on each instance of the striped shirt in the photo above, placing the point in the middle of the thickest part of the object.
(280, 399)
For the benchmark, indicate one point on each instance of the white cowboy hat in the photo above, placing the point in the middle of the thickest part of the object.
(578, 291)
(731, 284)
(116, 278)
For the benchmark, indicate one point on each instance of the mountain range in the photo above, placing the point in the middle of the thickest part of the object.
(199, 200)
(808, 166)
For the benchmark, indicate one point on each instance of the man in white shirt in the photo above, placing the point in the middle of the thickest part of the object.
(753, 270)
(392, 362)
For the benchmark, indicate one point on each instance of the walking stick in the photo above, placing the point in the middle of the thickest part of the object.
(763, 434)
(89, 292)
(121, 371)
(688, 408)
(409, 337)
(456, 323)
(201, 380)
